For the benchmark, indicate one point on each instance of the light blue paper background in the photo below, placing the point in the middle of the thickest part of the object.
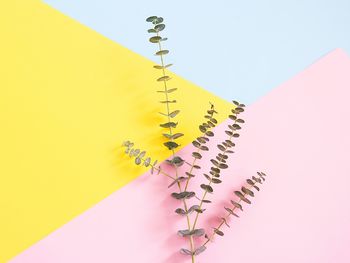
(235, 49)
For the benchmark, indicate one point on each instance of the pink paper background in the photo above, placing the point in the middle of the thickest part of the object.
(298, 134)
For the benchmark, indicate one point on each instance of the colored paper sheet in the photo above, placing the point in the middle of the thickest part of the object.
(68, 98)
(298, 134)
(250, 47)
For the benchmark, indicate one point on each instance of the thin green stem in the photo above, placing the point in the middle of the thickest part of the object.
(206, 191)
(194, 161)
(204, 195)
(226, 217)
(173, 151)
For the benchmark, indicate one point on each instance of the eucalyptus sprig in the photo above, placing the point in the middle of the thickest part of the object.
(182, 180)
(247, 190)
(220, 161)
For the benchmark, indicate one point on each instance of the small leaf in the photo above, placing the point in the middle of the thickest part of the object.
(232, 117)
(207, 176)
(211, 124)
(240, 121)
(147, 162)
(162, 67)
(237, 205)
(138, 161)
(206, 201)
(151, 18)
(239, 109)
(215, 162)
(242, 197)
(198, 232)
(158, 20)
(155, 39)
(230, 133)
(174, 113)
(162, 52)
(209, 133)
(173, 136)
(167, 91)
(171, 145)
(218, 232)
(201, 140)
(231, 211)
(164, 78)
(214, 169)
(199, 250)
(197, 155)
(207, 188)
(236, 126)
(199, 210)
(190, 174)
(222, 148)
(216, 181)
(257, 179)
(159, 27)
(185, 251)
(204, 148)
(152, 30)
(196, 144)
(153, 166)
(236, 135)
(223, 166)
(168, 125)
(183, 195)
(193, 208)
(247, 191)
(223, 156)
(176, 161)
(250, 182)
(168, 101)
(184, 233)
(213, 120)
(230, 143)
(225, 222)
(202, 128)
(235, 102)
(180, 211)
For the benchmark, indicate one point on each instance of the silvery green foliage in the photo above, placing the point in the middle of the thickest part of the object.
(198, 238)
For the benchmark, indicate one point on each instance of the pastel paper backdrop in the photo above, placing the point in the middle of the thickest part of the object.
(298, 134)
(68, 98)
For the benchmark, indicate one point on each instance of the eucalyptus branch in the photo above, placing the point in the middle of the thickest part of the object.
(245, 191)
(182, 180)
(171, 145)
(221, 158)
(141, 160)
(202, 139)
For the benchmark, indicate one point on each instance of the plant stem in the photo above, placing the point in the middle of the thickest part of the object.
(194, 160)
(226, 217)
(206, 191)
(204, 195)
(173, 151)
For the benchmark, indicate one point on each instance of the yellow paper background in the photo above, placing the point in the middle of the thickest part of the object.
(68, 98)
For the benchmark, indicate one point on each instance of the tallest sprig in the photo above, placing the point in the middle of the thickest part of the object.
(171, 136)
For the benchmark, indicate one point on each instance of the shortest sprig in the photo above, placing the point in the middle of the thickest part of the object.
(245, 192)
(140, 157)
